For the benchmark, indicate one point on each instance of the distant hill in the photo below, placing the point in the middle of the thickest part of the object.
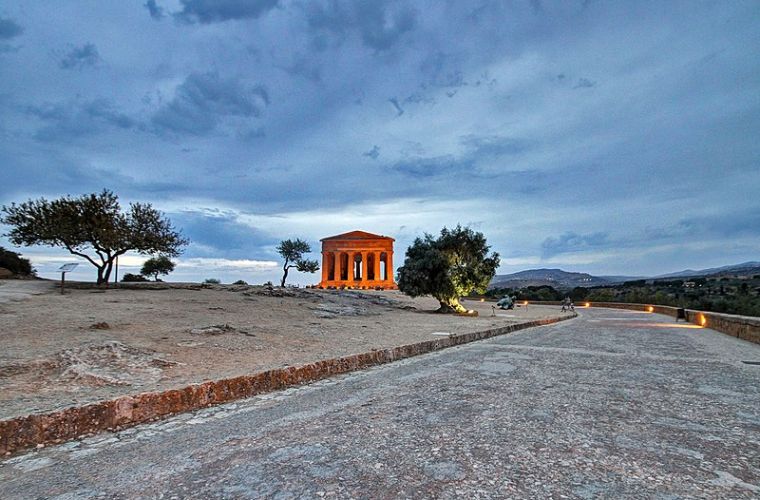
(564, 280)
(556, 278)
(745, 268)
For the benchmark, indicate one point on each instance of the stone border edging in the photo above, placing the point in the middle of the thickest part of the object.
(742, 327)
(21, 433)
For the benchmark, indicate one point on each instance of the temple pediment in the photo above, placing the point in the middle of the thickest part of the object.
(357, 235)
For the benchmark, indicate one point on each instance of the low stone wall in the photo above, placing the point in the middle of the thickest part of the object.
(743, 327)
(27, 432)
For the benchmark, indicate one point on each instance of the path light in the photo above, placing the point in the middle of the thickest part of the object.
(525, 303)
(587, 304)
(702, 320)
(650, 309)
(482, 300)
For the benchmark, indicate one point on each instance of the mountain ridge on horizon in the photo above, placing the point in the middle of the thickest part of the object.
(559, 278)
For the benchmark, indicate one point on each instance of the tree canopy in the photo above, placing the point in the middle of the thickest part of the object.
(157, 265)
(93, 227)
(450, 266)
(292, 251)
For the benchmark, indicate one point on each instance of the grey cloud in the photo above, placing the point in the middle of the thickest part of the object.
(442, 71)
(214, 11)
(380, 24)
(373, 153)
(220, 233)
(9, 29)
(156, 12)
(80, 57)
(72, 120)
(305, 67)
(204, 99)
(396, 106)
(493, 145)
(419, 98)
(584, 83)
(432, 167)
(573, 242)
(477, 150)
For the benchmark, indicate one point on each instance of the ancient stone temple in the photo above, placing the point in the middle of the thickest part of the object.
(357, 260)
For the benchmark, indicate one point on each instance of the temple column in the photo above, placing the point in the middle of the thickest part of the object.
(389, 265)
(376, 262)
(325, 268)
(336, 271)
(353, 268)
(365, 274)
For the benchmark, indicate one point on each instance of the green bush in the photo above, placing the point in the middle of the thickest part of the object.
(213, 281)
(16, 264)
(132, 278)
(240, 282)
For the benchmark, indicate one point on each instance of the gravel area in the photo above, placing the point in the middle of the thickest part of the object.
(88, 345)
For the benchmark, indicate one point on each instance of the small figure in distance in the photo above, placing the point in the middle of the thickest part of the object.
(572, 306)
(566, 304)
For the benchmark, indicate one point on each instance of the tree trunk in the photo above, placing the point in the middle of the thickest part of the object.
(450, 305)
(284, 276)
(101, 271)
(104, 273)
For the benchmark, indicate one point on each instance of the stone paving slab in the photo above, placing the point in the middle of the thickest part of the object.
(580, 409)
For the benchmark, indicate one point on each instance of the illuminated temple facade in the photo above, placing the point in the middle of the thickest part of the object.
(357, 259)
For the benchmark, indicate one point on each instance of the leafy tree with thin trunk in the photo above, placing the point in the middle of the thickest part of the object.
(157, 265)
(292, 251)
(448, 267)
(93, 227)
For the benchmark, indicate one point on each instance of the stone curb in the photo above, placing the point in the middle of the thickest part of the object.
(742, 327)
(29, 431)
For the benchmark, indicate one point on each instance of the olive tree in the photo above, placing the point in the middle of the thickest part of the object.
(157, 265)
(292, 251)
(93, 227)
(450, 266)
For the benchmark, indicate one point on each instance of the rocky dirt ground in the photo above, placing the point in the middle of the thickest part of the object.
(58, 350)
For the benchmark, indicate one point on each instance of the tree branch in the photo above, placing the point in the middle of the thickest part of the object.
(68, 247)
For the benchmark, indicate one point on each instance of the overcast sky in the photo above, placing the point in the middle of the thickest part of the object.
(607, 137)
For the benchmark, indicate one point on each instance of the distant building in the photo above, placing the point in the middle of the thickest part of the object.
(357, 259)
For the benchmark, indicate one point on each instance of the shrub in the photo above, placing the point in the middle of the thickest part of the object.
(16, 264)
(213, 281)
(131, 278)
(240, 282)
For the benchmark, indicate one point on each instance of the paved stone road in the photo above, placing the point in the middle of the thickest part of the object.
(613, 404)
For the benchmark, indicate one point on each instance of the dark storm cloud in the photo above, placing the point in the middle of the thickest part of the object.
(204, 99)
(9, 29)
(71, 120)
(573, 242)
(252, 107)
(380, 23)
(155, 11)
(80, 57)
(219, 233)
(214, 11)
